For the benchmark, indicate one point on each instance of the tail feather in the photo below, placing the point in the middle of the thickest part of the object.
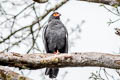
(52, 72)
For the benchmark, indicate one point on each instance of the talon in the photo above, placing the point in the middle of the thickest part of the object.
(57, 52)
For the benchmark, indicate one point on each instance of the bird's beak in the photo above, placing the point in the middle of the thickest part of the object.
(56, 14)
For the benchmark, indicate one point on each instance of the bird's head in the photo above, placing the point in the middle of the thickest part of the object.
(55, 15)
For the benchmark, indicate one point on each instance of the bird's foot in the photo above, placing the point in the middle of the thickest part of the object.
(57, 52)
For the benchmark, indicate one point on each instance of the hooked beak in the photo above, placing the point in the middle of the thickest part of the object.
(56, 14)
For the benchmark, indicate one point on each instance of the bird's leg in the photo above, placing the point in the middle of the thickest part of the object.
(57, 52)
(54, 52)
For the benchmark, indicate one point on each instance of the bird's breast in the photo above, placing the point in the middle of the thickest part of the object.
(56, 36)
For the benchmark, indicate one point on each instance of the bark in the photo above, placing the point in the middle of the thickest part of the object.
(117, 31)
(39, 60)
(108, 2)
(41, 1)
(7, 74)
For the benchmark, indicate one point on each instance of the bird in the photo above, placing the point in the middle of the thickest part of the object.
(55, 38)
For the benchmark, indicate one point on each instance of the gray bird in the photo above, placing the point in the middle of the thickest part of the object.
(55, 37)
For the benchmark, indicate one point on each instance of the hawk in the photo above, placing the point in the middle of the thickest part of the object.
(55, 37)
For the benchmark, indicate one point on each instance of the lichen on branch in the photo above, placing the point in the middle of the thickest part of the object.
(7, 74)
(40, 60)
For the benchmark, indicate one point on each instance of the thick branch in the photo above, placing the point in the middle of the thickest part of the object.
(37, 61)
(7, 74)
(41, 1)
(108, 2)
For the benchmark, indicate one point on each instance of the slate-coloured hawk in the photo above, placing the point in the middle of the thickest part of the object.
(55, 37)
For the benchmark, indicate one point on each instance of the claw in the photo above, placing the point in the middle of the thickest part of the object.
(57, 52)
(54, 52)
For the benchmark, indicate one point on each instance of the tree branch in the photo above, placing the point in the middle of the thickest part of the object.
(58, 5)
(7, 74)
(37, 61)
(41, 1)
(117, 31)
(108, 2)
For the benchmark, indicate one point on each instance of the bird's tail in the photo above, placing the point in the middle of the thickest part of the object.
(52, 72)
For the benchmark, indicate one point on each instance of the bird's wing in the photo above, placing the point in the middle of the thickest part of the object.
(66, 43)
(44, 38)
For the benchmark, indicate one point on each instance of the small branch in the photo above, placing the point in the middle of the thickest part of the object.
(15, 16)
(36, 21)
(7, 74)
(117, 14)
(14, 33)
(58, 5)
(37, 61)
